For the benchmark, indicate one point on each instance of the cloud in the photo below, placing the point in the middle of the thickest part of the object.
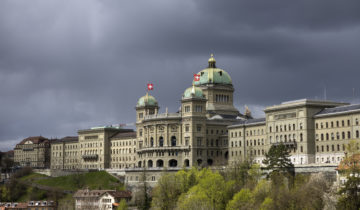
(69, 65)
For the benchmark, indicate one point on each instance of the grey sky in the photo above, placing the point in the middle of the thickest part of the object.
(69, 65)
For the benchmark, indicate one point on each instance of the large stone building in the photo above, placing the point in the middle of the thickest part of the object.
(197, 134)
(33, 152)
(206, 131)
(315, 132)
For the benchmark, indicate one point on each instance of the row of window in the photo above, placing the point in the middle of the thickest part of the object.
(333, 124)
(222, 98)
(333, 148)
(122, 159)
(343, 135)
(122, 151)
(121, 143)
(289, 127)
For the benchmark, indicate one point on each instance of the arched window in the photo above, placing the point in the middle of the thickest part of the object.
(301, 137)
(172, 163)
(159, 163)
(151, 142)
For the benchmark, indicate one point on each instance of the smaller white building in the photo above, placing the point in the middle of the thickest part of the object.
(99, 199)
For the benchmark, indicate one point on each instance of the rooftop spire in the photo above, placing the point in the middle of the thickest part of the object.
(212, 61)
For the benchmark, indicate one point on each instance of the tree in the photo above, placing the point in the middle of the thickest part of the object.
(277, 159)
(209, 193)
(122, 205)
(350, 166)
(143, 199)
(242, 200)
(166, 192)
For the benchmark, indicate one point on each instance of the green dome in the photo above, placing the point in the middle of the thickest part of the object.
(193, 92)
(147, 100)
(213, 75)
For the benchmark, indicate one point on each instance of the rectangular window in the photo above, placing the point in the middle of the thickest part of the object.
(199, 141)
(187, 108)
(198, 108)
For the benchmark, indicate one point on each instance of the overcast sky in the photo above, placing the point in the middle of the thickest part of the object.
(69, 65)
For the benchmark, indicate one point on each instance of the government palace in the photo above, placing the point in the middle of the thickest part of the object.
(206, 131)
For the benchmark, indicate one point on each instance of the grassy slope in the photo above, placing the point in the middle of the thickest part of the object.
(93, 180)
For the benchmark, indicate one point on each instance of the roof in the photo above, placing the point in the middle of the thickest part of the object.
(34, 139)
(147, 100)
(339, 110)
(248, 122)
(193, 92)
(213, 75)
(304, 102)
(352, 161)
(70, 138)
(89, 193)
(121, 194)
(97, 193)
(122, 135)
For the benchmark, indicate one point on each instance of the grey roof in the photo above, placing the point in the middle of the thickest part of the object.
(248, 122)
(339, 109)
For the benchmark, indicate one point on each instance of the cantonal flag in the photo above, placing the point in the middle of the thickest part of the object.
(150, 86)
(196, 77)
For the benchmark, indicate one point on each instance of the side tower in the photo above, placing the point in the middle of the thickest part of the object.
(146, 105)
(193, 113)
(217, 87)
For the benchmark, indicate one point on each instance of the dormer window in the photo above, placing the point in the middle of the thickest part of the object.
(220, 72)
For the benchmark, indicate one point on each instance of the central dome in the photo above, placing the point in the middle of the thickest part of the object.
(213, 75)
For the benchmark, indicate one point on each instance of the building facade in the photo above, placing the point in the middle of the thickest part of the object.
(33, 152)
(99, 199)
(316, 132)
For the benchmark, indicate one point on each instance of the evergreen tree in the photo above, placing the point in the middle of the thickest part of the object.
(277, 159)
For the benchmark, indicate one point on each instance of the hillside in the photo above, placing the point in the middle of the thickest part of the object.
(92, 180)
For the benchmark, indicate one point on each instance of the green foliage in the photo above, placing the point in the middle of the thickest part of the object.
(350, 197)
(122, 205)
(267, 204)
(195, 198)
(242, 200)
(167, 191)
(240, 187)
(277, 159)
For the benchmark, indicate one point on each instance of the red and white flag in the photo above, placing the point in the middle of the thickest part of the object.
(150, 86)
(196, 77)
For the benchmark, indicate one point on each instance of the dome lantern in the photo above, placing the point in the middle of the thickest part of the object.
(212, 61)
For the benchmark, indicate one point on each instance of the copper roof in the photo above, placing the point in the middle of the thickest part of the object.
(34, 139)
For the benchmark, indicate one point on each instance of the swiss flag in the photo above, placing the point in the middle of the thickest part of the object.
(150, 86)
(196, 77)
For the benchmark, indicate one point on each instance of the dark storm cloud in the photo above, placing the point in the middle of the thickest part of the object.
(71, 65)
